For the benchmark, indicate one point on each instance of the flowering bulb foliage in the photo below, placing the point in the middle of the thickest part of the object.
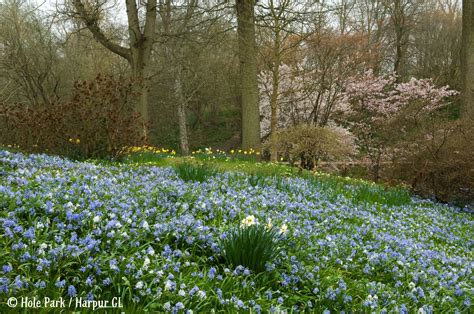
(252, 245)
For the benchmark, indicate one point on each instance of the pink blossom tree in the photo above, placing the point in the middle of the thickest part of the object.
(381, 111)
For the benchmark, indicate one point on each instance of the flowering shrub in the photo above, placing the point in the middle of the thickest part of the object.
(381, 112)
(301, 99)
(140, 233)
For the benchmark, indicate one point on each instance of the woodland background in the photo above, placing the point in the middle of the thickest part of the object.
(381, 79)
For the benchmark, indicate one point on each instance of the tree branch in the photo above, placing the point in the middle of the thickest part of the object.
(91, 23)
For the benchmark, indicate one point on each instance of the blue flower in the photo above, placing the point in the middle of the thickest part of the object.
(19, 283)
(3, 285)
(193, 291)
(71, 291)
(90, 296)
(30, 233)
(6, 269)
(212, 273)
(269, 294)
(60, 284)
(467, 302)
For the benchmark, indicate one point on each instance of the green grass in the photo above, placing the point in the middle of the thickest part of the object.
(189, 171)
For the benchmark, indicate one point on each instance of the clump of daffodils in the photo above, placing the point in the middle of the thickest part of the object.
(74, 141)
(147, 149)
(252, 244)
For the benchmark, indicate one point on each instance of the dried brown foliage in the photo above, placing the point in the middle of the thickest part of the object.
(440, 164)
(96, 123)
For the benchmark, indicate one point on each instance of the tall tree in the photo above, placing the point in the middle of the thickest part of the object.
(176, 35)
(282, 19)
(403, 15)
(467, 57)
(248, 74)
(370, 17)
(141, 36)
(28, 55)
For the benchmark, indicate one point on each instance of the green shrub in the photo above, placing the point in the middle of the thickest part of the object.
(251, 246)
(194, 172)
(307, 144)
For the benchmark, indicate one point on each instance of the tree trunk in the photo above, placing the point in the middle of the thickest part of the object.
(142, 106)
(183, 129)
(398, 55)
(398, 21)
(467, 58)
(274, 96)
(138, 53)
(248, 74)
(141, 44)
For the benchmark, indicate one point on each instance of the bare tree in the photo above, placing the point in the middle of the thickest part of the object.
(436, 43)
(370, 18)
(403, 16)
(176, 33)
(137, 52)
(28, 54)
(284, 20)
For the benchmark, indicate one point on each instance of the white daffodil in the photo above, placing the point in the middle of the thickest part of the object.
(146, 263)
(283, 229)
(248, 221)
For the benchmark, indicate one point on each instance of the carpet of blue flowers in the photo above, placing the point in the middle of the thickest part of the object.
(143, 234)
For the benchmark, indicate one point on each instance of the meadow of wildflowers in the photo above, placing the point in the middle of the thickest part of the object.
(141, 233)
